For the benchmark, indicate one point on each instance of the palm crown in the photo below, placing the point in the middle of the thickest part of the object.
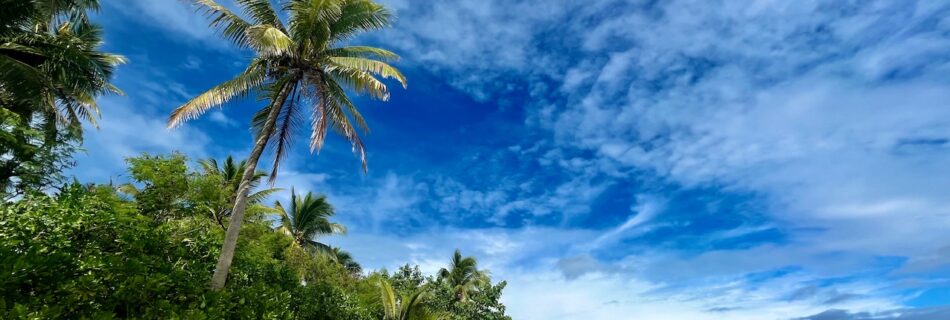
(302, 61)
(230, 172)
(306, 218)
(463, 275)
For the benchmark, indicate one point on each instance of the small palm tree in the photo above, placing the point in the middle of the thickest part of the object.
(463, 275)
(306, 218)
(406, 307)
(230, 173)
(301, 61)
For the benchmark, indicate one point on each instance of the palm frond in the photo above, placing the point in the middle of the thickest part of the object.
(360, 16)
(231, 26)
(257, 209)
(251, 78)
(368, 65)
(286, 223)
(260, 196)
(209, 166)
(363, 52)
(339, 109)
(261, 12)
(319, 248)
(288, 122)
(336, 92)
(310, 21)
(268, 40)
(24, 82)
(330, 113)
(388, 297)
(359, 81)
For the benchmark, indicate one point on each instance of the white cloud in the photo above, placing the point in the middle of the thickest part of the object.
(134, 124)
(124, 133)
(192, 63)
(220, 118)
(833, 113)
(540, 295)
(538, 288)
(178, 18)
(646, 208)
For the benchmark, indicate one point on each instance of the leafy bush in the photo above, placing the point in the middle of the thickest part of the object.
(88, 254)
(148, 253)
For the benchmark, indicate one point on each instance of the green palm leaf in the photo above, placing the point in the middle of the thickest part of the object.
(363, 52)
(269, 40)
(367, 65)
(251, 78)
(231, 26)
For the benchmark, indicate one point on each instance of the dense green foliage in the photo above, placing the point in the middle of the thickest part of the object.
(27, 160)
(92, 251)
(51, 71)
(482, 299)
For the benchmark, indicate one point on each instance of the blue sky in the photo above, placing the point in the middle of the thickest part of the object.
(614, 159)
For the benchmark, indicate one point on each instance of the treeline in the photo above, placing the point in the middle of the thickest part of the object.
(146, 250)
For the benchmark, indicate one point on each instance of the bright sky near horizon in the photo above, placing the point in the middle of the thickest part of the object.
(682, 159)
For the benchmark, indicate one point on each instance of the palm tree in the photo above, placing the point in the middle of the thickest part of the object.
(52, 66)
(406, 307)
(346, 260)
(230, 173)
(51, 71)
(302, 60)
(463, 275)
(306, 218)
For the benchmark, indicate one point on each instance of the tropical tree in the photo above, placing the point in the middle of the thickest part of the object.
(306, 218)
(300, 61)
(229, 173)
(406, 307)
(51, 63)
(463, 275)
(51, 71)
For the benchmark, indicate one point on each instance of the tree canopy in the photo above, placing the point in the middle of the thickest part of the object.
(145, 249)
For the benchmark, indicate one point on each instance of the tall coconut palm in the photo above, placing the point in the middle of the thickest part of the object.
(300, 61)
(306, 218)
(463, 275)
(230, 173)
(406, 307)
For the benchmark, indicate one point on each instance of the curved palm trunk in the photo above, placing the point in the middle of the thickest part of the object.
(240, 202)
